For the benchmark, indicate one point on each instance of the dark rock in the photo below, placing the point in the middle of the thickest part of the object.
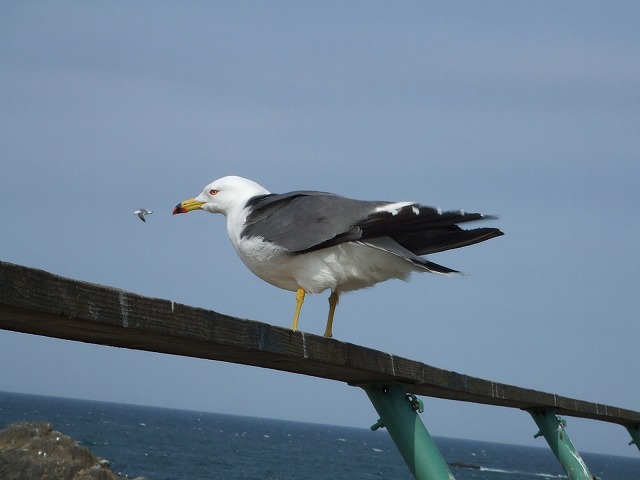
(470, 466)
(34, 451)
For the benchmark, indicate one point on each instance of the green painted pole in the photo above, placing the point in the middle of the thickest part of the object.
(634, 431)
(399, 414)
(552, 428)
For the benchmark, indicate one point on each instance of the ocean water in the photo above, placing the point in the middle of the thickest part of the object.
(165, 444)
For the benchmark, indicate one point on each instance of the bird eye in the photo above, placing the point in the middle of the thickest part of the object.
(213, 192)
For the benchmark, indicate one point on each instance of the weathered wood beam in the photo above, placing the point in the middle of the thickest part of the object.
(37, 302)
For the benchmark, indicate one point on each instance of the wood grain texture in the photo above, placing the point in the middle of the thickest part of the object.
(37, 302)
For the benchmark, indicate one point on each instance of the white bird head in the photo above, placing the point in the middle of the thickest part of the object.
(224, 195)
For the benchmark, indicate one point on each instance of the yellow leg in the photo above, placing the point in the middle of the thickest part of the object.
(333, 302)
(296, 315)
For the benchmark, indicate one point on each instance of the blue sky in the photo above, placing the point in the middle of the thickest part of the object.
(530, 111)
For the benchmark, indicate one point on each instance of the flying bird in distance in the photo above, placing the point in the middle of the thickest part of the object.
(141, 213)
(308, 242)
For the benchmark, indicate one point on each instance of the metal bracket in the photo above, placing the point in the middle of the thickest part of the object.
(552, 428)
(415, 402)
(399, 415)
(634, 431)
(379, 424)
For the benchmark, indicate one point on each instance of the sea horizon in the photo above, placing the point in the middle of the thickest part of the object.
(301, 422)
(138, 440)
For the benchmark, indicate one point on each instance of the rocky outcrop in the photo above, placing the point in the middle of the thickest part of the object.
(35, 451)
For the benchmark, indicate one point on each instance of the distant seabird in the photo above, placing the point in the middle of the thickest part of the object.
(308, 242)
(141, 213)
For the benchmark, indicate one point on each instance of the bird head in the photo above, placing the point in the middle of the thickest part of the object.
(222, 196)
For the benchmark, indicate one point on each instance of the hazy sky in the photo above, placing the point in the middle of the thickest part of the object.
(527, 110)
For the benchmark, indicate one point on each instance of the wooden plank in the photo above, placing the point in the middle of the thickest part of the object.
(41, 303)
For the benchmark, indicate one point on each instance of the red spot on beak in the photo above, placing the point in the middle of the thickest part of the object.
(179, 209)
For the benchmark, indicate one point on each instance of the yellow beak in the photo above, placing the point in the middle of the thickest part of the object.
(187, 206)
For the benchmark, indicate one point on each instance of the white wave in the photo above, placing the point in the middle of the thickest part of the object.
(518, 472)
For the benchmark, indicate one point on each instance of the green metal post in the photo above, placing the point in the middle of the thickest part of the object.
(399, 414)
(552, 427)
(634, 431)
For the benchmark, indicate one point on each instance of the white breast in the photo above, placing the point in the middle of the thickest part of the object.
(345, 267)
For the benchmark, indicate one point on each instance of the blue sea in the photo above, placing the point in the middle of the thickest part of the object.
(165, 444)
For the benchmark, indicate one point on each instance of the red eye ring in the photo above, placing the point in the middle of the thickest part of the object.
(213, 192)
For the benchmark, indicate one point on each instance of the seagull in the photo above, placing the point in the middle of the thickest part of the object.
(308, 241)
(142, 212)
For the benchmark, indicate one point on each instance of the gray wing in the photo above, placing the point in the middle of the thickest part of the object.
(306, 220)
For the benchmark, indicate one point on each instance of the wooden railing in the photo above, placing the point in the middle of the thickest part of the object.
(36, 302)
